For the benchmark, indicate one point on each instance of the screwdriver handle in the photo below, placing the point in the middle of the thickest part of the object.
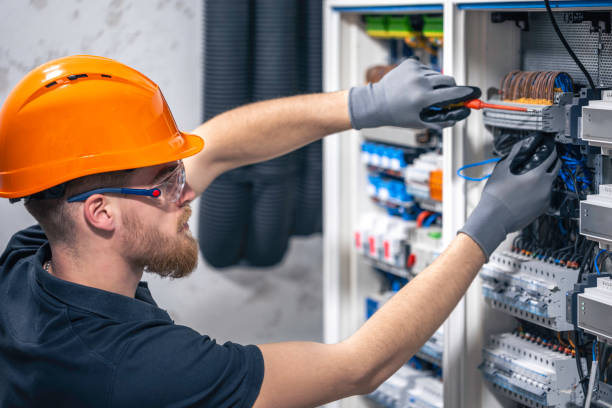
(478, 104)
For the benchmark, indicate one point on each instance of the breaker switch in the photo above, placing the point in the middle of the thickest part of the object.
(411, 260)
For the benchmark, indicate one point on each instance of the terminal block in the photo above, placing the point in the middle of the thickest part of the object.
(543, 118)
(594, 309)
(529, 289)
(531, 374)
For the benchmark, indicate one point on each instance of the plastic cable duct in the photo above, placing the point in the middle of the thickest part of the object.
(227, 59)
(224, 206)
(309, 199)
(257, 51)
(270, 222)
(224, 220)
(275, 69)
(275, 75)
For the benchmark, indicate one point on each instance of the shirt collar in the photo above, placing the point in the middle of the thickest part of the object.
(112, 305)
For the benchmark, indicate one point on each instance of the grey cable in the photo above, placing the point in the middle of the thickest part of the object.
(587, 401)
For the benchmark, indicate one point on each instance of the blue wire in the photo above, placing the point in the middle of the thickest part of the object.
(573, 165)
(467, 166)
(596, 258)
(594, 346)
(430, 219)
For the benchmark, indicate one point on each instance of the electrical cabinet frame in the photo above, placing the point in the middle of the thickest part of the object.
(471, 54)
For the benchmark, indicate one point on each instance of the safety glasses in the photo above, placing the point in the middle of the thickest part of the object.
(170, 189)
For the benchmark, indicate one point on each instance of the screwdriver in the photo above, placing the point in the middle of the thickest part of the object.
(478, 104)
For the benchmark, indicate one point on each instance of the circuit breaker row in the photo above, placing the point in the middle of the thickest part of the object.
(530, 371)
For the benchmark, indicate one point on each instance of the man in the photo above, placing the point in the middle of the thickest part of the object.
(92, 148)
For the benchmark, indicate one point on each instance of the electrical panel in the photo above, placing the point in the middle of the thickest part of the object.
(531, 330)
(542, 280)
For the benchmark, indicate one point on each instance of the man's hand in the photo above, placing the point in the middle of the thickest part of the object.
(510, 202)
(403, 94)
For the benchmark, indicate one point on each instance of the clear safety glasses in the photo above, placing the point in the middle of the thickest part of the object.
(170, 189)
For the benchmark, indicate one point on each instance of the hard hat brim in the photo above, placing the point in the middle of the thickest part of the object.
(181, 146)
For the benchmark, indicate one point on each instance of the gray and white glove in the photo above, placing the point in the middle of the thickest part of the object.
(510, 202)
(411, 95)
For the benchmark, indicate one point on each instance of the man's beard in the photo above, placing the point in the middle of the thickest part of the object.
(168, 256)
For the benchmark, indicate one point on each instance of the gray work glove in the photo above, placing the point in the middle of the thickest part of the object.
(510, 202)
(405, 97)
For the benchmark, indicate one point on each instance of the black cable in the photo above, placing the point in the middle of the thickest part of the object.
(566, 45)
(578, 359)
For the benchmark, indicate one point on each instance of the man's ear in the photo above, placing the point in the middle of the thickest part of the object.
(99, 213)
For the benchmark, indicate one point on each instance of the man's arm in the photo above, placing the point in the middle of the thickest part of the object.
(310, 374)
(269, 129)
(262, 131)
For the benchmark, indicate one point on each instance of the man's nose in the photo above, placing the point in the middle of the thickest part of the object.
(187, 195)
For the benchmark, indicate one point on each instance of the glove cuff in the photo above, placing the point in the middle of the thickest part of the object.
(483, 224)
(368, 108)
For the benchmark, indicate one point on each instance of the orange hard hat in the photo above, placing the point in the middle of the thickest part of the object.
(83, 115)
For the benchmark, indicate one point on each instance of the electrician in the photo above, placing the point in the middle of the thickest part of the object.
(91, 147)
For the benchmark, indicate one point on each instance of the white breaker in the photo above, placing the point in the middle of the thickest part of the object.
(529, 289)
(595, 309)
(597, 122)
(417, 174)
(382, 238)
(596, 216)
(530, 373)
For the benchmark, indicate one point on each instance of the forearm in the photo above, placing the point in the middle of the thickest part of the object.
(397, 331)
(264, 130)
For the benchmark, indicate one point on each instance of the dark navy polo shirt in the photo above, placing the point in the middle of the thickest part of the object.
(67, 345)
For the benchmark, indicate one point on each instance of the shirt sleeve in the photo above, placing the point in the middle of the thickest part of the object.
(174, 366)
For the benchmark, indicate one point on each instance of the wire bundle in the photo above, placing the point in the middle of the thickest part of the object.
(535, 87)
(557, 241)
(575, 175)
(545, 339)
